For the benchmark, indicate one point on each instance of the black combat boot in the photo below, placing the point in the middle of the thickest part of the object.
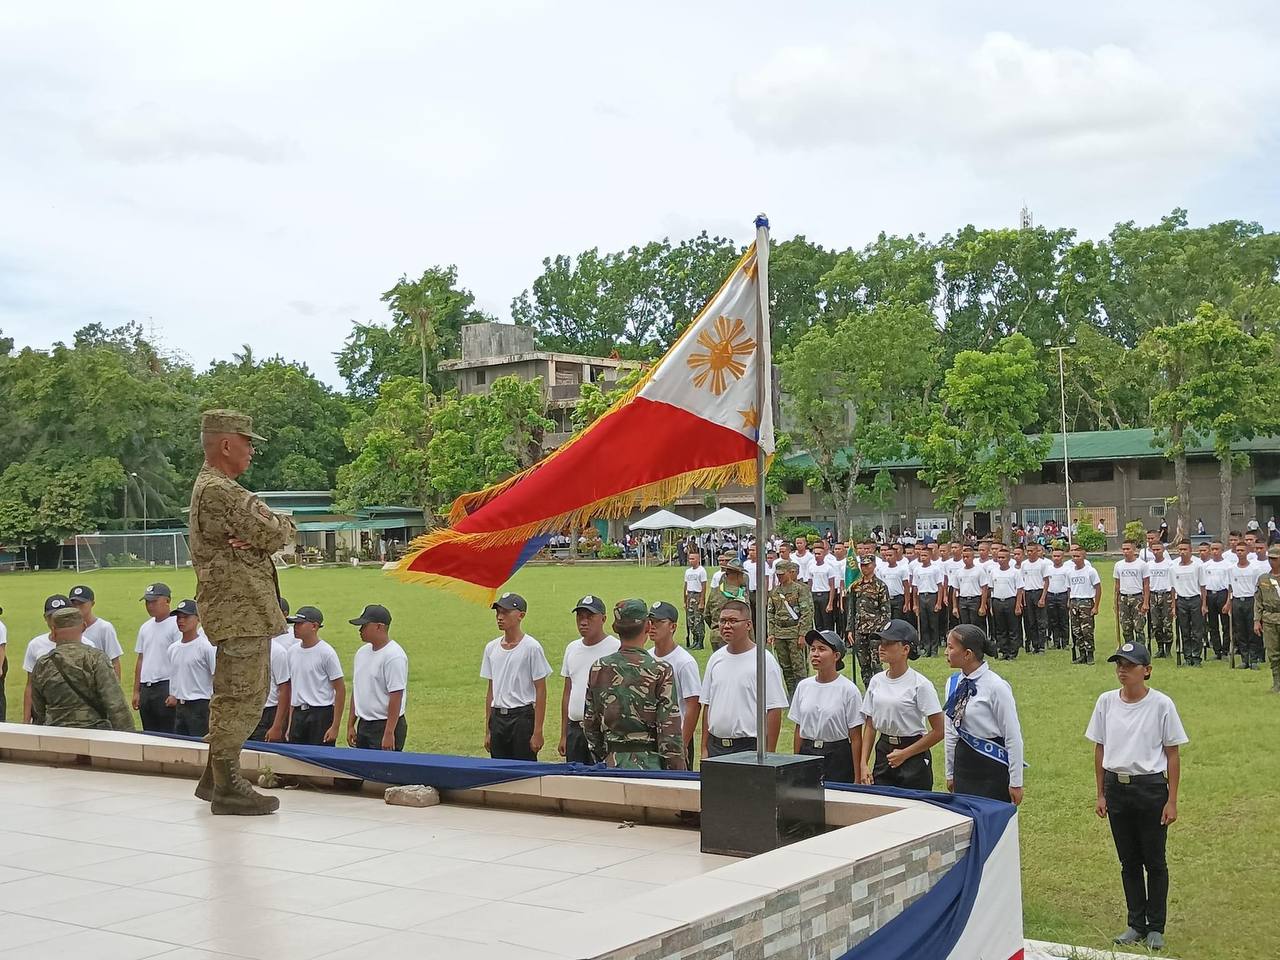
(233, 795)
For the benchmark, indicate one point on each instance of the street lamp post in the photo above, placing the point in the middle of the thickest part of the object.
(1062, 396)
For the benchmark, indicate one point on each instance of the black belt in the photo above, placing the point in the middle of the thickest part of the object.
(899, 741)
(313, 706)
(576, 723)
(731, 741)
(820, 744)
(183, 703)
(1060, 594)
(153, 683)
(516, 711)
(1128, 778)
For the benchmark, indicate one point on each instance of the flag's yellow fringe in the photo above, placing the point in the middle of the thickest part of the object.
(471, 592)
(618, 505)
(469, 503)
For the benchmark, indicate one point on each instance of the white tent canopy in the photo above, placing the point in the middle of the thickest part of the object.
(725, 518)
(662, 520)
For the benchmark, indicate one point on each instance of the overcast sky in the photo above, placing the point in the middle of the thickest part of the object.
(261, 172)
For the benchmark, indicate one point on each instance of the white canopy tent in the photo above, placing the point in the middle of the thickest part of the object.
(726, 518)
(662, 520)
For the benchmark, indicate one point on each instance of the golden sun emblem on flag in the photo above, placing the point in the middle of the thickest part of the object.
(725, 350)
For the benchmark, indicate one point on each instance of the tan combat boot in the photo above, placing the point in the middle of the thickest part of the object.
(232, 794)
(204, 789)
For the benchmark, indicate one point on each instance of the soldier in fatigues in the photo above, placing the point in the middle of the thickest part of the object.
(233, 537)
(790, 620)
(73, 685)
(731, 587)
(1266, 614)
(872, 613)
(631, 717)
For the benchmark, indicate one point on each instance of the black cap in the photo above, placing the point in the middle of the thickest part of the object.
(155, 590)
(56, 602)
(187, 608)
(308, 615)
(900, 631)
(830, 638)
(664, 611)
(373, 613)
(590, 602)
(81, 594)
(284, 605)
(1134, 653)
(510, 601)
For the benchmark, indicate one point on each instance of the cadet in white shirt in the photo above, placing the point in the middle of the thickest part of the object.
(802, 557)
(903, 708)
(1217, 594)
(1242, 579)
(151, 669)
(4, 666)
(823, 578)
(98, 633)
(826, 710)
(970, 590)
(1160, 609)
(379, 681)
(515, 701)
(928, 598)
(1083, 602)
(663, 618)
(983, 736)
(1056, 599)
(1137, 764)
(729, 689)
(317, 689)
(579, 657)
(695, 601)
(272, 725)
(1034, 622)
(192, 661)
(1006, 605)
(897, 577)
(1133, 592)
(1189, 587)
(37, 648)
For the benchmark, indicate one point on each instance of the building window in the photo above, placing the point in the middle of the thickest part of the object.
(1051, 472)
(793, 486)
(1092, 471)
(480, 377)
(1153, 469)
(1157, 509)
(1041, 515)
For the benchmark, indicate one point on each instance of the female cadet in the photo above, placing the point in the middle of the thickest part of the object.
(983, 737)
(1136, 733)
(826, 710)
(903, 706)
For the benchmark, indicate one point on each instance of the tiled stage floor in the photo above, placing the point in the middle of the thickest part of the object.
(99, 865)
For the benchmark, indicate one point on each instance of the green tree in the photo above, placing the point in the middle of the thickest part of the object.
(594, 400)
(389, 445)
(892, 269)
(43, 503)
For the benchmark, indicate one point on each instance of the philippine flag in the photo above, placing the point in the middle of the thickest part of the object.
(695, 419)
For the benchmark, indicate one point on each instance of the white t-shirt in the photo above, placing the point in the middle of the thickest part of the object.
(376, 675)
(928, 579)
(1160, 574)
(1134, 735)
(38, 647)
(1130, 576)
(749, 567)
(102, 635)
(280, 647)
(514, 671)
(1059, 577)
(1243, 580)
(1217, 574)
(312, 671)
(4, 634)
(154, 639)
(729, 692)
(969, 581)
(578, 661)
(894, 577)
(1083, 581)
(687, 678)
(805, 563)
(694, 578)
(825, 576)
(901, 707)
(1033, 573)
(716, 578)
(1005, 583)
(826, 711)
(1188, 578)
(191, 666)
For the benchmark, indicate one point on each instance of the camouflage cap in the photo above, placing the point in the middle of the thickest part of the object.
(66, 617)
(731, 565)
(786, 566)
(228, 421)
(631, 610)
(1274, 552)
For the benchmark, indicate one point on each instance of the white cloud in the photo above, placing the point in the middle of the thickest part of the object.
(147, 133)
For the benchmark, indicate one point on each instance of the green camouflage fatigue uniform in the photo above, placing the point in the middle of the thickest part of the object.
(1080, 611)
(1132, 619)
(1161, 619)
(1266, 611)
(239, 601)
(74, 686)
(872, 613)
(716, 598)
(631, 717)
(790, 618)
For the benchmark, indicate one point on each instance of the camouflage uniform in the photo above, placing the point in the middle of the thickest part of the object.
(871, 597)
(716, 599)
(1266, 613)
(631, 717)
(1080, 611)
(790, 618)
(74, 686)
(1160, 616)
(237, 593)
(693, 617)
(1132, 619)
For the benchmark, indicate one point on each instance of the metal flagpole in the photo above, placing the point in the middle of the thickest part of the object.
(764, 373)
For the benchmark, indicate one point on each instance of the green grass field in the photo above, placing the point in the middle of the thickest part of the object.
(1223, 850)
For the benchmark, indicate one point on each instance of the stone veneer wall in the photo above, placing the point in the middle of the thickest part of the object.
(820, 918)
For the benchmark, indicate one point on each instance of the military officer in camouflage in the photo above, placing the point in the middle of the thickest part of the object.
(733, 586)
(631, 717)
(1266, 614)
(873, 613)
(233, 537)
(73, 685)
(790, 620)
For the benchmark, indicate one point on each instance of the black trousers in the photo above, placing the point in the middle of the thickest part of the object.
(1218, 624)
(1057, 619)
(1033, 621)
(915, 774)
(155, 716)
(822, 620)
(191, 718)
(1008, 633)
(1133, 810)
(841, 615)
(310, 724)
(576, 748)
(895, 608)
(722, 747)
(1191, 628)
(510, 729)
(1248, 643)
(969, 611)
(265, 723)
(979, 775)
(930, 624)
(837, 758)
(369, 733)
